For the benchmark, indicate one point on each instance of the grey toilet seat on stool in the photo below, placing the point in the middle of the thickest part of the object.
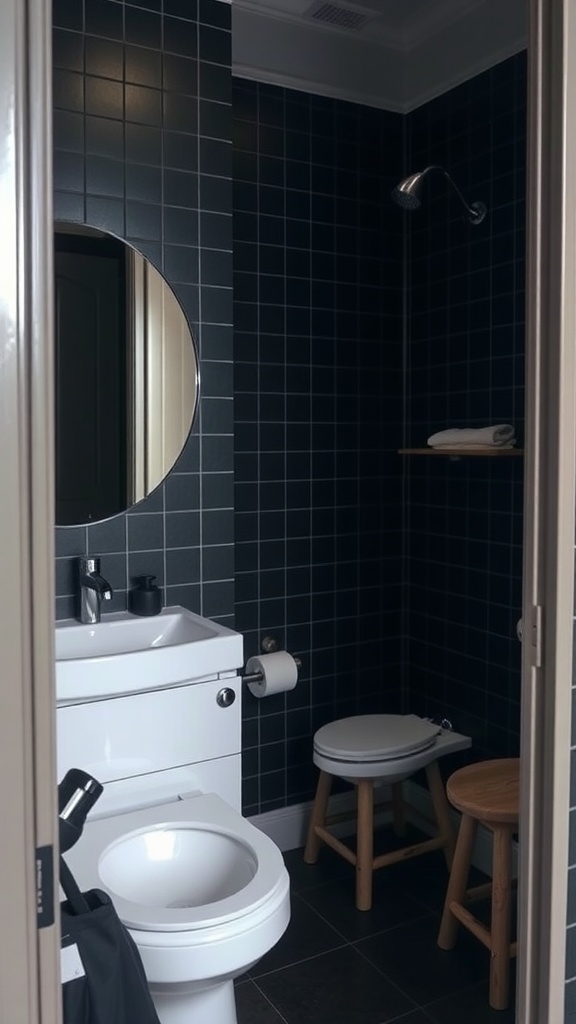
(369, 749)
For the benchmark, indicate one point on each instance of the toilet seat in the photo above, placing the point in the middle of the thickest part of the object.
(262, 865)
(369, 738)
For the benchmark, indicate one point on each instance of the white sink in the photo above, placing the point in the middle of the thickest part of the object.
(122, 633)
(124, 653)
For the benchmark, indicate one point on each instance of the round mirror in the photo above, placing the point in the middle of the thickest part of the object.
(126, 376)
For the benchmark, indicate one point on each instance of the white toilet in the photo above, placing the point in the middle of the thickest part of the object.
(204, 893)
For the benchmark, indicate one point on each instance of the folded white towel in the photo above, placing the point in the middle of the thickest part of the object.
(494, 436)
(471, 447)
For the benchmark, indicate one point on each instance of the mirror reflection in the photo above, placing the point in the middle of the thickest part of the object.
(126, 376)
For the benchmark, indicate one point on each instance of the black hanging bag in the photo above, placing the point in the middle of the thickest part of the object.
(103, 980)
(113, 988)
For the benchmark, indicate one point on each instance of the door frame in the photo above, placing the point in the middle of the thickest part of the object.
(549, 509)
(29, 965)
(29, 977)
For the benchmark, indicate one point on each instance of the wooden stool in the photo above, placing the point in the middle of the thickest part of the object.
(355, 749)
(486, 792)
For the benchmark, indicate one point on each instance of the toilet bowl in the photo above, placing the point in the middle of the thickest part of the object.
(203, 892)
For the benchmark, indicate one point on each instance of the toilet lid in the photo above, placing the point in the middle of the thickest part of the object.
(375, 737)
(180, 866)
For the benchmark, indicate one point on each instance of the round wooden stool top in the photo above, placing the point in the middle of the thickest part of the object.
(488, 790)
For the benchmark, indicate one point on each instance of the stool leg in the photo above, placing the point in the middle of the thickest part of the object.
(441, 810)
(365, 844)
(318, 817)
(501, 918)
(458, 880)
(398, 809)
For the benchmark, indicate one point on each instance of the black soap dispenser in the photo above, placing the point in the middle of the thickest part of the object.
(145, 598)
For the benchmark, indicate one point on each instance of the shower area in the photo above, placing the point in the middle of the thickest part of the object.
(360, 329)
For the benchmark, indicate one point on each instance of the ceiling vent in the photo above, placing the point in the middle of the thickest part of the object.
(338, 17)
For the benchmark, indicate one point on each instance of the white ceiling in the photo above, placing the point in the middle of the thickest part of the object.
(394, 54)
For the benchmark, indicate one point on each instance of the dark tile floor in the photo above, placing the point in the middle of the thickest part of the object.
(337, 965)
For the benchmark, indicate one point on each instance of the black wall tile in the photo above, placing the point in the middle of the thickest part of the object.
(142, 105)
(181, 37)
(104, 97)
(180, 113)
(463, 521)
(215, 45)
(67, 50)
(66, 15)
(124, 60)
(68, 90)
(104, 138)
(104, 19)
(286, 367)
(142, 28)
(143, 67)
(317, 475)
(180, 151)
(104, 57)
(69, 168)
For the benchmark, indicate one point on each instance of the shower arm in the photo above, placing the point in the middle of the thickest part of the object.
(476, 211)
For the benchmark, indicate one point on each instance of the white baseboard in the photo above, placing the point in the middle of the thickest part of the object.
(287, 826)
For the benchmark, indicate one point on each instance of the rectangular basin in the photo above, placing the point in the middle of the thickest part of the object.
(127, 653)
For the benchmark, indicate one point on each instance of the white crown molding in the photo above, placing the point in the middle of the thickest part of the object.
(467, 47)
(289, 52)
(452, 81)
(287, 81)
(389, 103)
(286, 53)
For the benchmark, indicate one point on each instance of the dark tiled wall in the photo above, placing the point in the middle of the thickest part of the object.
(318, 386)
(142, 136)
(465, 367)
(142, 148)
(439, 541)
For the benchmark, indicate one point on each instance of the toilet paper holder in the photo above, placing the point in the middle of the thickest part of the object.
(268, 645)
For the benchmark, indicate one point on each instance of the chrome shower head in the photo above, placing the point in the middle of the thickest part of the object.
(407, 194)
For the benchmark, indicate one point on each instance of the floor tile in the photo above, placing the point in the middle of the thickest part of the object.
(307, 935)
(337, 965)
(410, 957)
(339, 987)
(470, 1006)
(391, 906)
(425, 878)
(328, 867)
(252, 1007)
(415, 1017)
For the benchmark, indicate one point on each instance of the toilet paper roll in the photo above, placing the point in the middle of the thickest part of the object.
(279, 673)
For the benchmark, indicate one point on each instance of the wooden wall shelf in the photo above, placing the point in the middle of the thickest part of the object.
(462, 451)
